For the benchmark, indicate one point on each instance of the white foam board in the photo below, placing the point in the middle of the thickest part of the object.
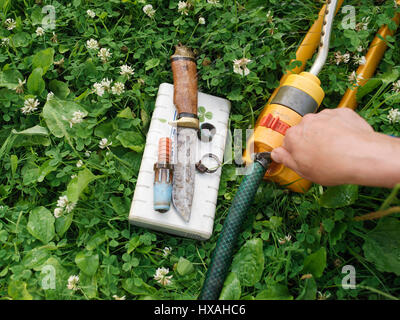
(204, 204)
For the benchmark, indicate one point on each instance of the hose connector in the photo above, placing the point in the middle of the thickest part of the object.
(263, 158)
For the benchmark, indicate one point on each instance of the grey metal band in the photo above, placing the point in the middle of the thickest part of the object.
(182, 58)
(295, 99)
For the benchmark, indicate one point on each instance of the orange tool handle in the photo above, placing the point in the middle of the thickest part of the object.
(373, 57)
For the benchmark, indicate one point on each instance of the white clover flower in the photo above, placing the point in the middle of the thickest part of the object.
(62, 201)
(119, 298)
(40, 31)
(161, 276)
(104, 54)
(118, 88)
(104, 143)
(30, 105)
(70, 206)
(213, 1)
(360, 60)
(183, 7)
(91, 13)
(339, 58)
(352, 77)
(363, 25)
(240, 66)
(99, 89)
(54, 38)
(20, 87)
(323, 296)
(77, 117)
(394, 115)
(73, 283)
(166, 251)
(365, 22)
(79, 163)
(5, 42)
(269, 16)
(92, 44)
(148, 9)
(360, 49)
(355, 78)
(59, 62)
(10, 24)
(346, 57)
(396, 86)
(106, 84)
(126, 70)
(73, 176)
(202, 20)
(87, 153)
(50, 96)
(287, 238)
(58, 212)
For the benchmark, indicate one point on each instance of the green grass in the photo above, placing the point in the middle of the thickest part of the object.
(39, 153)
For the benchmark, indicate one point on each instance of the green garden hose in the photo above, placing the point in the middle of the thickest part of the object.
(222, 255)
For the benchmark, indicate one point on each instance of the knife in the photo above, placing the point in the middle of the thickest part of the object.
(184, 72)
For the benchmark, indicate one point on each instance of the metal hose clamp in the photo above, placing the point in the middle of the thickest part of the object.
(204, 169)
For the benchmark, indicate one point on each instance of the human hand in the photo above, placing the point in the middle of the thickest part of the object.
(337, 146)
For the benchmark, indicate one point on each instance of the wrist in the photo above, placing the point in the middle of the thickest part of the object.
(376, 162)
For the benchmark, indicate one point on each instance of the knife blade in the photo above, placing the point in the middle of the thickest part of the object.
(185, 100)
(184, 174)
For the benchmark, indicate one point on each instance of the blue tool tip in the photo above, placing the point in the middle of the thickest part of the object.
(162, 196)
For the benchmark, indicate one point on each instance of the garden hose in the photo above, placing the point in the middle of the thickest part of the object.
(222, 255)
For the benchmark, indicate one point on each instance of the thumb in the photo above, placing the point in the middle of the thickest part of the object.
(281, 155)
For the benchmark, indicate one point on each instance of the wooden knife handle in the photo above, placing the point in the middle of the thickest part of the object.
(184, 72)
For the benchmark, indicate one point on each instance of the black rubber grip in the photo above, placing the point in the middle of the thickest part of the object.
(295, 99)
